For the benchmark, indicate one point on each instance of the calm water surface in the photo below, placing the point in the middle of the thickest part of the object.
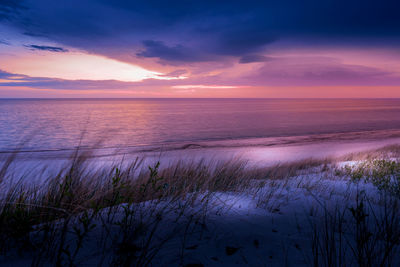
(59, 124)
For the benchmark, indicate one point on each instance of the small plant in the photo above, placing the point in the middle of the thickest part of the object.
(384, 174)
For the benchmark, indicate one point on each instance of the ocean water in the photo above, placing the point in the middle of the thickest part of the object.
(58, 124)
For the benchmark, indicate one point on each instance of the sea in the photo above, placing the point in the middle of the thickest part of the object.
(64, 124)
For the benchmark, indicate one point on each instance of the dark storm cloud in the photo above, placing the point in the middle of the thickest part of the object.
(176, 53)
(244, 40)
(47, 48)
(253, 58)
(182, 32)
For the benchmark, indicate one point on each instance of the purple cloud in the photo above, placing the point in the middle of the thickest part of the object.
(317, 72)
(254, 58)
(47, 48)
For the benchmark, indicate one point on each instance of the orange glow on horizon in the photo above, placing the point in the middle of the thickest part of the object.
(75, 66)
(243, 92)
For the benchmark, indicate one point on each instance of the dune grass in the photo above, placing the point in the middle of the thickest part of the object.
(126, 203)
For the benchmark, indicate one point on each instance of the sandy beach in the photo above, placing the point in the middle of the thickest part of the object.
(259, 151)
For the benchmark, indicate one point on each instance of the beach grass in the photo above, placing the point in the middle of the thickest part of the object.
(126, 206)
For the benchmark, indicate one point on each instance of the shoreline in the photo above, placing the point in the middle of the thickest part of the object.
(252, 151)
(266, 150)
(239, 142)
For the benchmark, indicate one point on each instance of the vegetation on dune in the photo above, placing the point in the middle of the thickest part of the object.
(382, 173)
(126, 205)
(134, 199)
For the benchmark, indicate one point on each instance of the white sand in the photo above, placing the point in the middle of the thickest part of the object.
(253, 150)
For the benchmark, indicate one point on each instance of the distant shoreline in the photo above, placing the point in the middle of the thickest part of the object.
(246, 142)
(257, 151)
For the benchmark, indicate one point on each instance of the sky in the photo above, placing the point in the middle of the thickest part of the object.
(180, 48)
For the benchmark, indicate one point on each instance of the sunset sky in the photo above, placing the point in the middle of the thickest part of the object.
(100, 48)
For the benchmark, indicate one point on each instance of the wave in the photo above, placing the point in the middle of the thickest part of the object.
(100, 151)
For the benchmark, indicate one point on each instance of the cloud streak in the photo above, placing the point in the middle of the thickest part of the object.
(280, 72)
(47, 48)
(4, 42)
